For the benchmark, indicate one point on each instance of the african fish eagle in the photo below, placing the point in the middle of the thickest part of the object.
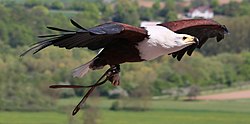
(120, 43)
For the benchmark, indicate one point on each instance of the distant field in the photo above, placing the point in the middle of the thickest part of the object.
(240, 106)
(226, 96)
(67, 13)
(162, 112)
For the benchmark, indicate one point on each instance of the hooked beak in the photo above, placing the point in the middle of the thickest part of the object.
(192, 40)
(196, 40)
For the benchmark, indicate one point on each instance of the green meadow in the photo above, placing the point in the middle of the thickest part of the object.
(125, 117)
(161, 112)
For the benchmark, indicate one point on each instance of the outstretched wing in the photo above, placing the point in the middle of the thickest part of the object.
(203, 29)
(92, 38)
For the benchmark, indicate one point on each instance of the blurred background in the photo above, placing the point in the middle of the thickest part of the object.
(211, 87)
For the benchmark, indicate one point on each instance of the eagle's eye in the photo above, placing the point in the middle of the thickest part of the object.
(184, 38)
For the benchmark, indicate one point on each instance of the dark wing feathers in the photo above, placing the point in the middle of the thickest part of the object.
(92, 38)
(77, 25)
(203, 29)
(59, 29)
(49, 35)
(191, 50)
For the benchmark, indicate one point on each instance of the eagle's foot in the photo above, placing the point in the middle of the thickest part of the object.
(113, 75)
(115, 79)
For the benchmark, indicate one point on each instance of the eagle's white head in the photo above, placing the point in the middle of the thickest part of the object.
(184, 39)
(163, 41)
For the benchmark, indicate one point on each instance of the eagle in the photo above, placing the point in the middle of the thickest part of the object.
(120, 43)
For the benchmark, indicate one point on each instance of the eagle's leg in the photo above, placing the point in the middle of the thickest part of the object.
(114, 77)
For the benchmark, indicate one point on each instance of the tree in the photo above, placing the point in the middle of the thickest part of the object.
(57, 5)
(156, 8)
(193, 92)
(171, 16)
(196, 3)
(90, 17)
(145, 14)
(170, 5)
(244, 8)
(169, 12)
(126, 11)
(231, 9)
(214, 3)
(245, 68)
(40, 10)
(32, 3)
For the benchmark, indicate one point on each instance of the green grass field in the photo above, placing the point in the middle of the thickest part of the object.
(162, 112)
(125, 117)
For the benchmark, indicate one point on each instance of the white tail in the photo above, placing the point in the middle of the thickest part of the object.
(82, 70)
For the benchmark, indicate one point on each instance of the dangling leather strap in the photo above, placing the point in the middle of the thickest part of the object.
(108, 74)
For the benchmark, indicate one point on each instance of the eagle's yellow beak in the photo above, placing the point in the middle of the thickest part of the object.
(191, 40)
